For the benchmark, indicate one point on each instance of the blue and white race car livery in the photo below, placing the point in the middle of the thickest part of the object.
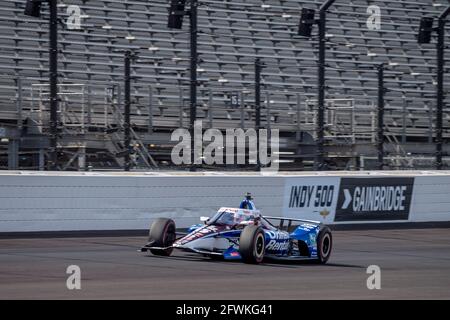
(236, 233)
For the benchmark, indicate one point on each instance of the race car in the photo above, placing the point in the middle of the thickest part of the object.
(236, 233)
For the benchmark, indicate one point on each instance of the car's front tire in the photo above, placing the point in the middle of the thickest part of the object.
(252, 244)
(162, 234)
(324, 245)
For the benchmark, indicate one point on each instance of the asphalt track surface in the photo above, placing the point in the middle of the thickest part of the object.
(414, 264)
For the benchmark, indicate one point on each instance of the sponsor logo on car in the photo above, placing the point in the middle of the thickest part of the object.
(275, 245)
(307, 226)
(277, 235)
(198, 234)
(312, 239)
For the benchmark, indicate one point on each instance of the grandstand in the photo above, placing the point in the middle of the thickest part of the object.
(231, 35)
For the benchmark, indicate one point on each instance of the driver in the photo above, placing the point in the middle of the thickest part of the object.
(247, 203)
(227, 218)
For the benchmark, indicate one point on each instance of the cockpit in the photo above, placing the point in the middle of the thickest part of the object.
(232, 217)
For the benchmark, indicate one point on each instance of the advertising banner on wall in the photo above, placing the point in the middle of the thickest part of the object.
(374, 199)
(312, 198)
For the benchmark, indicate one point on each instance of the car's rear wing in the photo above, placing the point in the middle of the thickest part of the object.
(289, 221)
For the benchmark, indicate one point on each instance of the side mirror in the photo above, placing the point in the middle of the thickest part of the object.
(204, 219)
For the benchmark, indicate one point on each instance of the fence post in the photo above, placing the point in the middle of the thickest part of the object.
(351, 103)
(181, 101)
(150, 109)
(404, 121)
(430, 121)
(299, 116)
(83, 110)
(19, 105)
(82, 157)
(210, 108)
(268, 110)
(373, 130)
(89, 105)
(117, 110)
(241, 108)
(41, 159)
(105, 109)
(13, 154)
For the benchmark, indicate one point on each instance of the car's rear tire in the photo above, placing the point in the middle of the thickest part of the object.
(252, 244)
(324, 245)
(162, 234)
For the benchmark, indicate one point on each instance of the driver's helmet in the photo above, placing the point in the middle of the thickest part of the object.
(247, 203)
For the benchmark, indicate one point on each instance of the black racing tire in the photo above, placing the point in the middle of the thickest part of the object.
(162, 234)
(252, 244)
(324, 245)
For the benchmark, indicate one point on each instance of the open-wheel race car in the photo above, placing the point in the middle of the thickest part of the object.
(236, 233)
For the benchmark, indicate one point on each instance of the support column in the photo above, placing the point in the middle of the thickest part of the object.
(41, 160)
(13, 154)
(193, 83)
(82, 158)
(127, 94)
(380, 138)
(53, 63)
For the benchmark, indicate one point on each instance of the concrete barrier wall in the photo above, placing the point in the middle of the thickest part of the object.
(45, 201)
(34, 202)
(431, 201)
